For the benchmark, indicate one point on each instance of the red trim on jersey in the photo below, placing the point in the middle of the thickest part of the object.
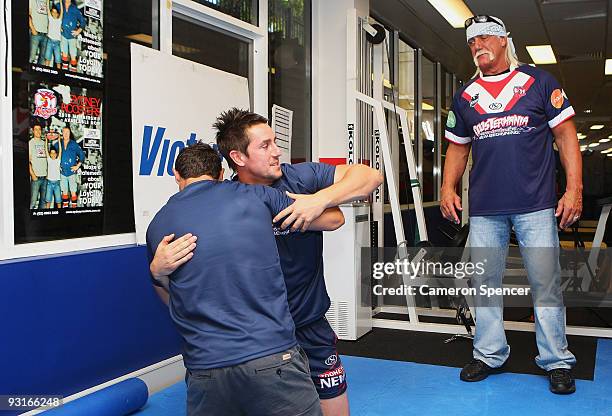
(495, 87)
(517, 97)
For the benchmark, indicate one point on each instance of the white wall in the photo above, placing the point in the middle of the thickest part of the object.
(329, 77)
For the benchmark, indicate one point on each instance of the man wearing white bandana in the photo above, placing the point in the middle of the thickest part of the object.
(509, 115)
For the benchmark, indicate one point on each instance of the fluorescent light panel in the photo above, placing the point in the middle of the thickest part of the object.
(454, 11)
(608, 67)
(606, 151)
(593, 144)
(604, 140)
(597, 126)
(542, 54)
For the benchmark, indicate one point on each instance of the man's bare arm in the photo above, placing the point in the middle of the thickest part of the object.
(570, 205)
(456, 160)
(351, 183)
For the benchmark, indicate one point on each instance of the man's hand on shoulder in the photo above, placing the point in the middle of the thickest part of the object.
(169, 254)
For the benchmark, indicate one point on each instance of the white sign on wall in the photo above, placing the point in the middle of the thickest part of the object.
(174, 103)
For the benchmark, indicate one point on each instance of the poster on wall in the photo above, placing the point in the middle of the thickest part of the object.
(66, 38)
(159, 132)
(65, 150)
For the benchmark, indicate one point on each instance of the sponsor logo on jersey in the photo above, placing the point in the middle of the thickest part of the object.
(495, 106)
(474, 100)
(332, 378)
(331, 360)
(501, 126)
(557, 98)
(520, 91)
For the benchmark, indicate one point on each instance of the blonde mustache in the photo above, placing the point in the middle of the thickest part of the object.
(483, 52)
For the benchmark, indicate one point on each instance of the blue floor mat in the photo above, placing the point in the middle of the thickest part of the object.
(390, 388)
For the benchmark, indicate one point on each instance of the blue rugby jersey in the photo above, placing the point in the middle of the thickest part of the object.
(508, 120)
(229, 301)
(301, 254)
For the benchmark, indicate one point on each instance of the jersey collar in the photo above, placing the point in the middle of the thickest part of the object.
(500, 77)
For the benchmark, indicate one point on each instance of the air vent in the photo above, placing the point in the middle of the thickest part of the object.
(593, 56)
(338, 316)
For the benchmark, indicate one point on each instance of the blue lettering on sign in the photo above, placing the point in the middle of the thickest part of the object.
(150, 151)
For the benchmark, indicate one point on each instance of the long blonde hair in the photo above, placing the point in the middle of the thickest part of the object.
(509, 55)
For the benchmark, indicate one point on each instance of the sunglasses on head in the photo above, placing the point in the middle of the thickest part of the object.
(483, 18)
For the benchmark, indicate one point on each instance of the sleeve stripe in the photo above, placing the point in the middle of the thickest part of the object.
(456, 139)
(563, 115)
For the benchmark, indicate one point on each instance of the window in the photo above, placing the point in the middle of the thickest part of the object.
(428, 137)
(289, 56)
(91, 93)
(447, 101)
(209, 47)
(245, 10)
(407, 102)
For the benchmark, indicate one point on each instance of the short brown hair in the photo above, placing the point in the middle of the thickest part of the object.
(232, 126)
(197, 160)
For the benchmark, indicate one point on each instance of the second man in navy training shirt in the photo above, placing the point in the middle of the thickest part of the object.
(248, 144)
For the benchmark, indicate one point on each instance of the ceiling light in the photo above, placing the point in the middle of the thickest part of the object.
(608, 67)
(542, 54)
(606, 151)
(588, 111)
(593, 144)
(604, 140)
(597, 127)
(581, 136)
(454, 11)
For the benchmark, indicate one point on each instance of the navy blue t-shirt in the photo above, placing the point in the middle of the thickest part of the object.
(229, 301)
(301, 254)
(508, 119)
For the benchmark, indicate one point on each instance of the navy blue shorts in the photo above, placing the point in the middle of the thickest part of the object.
(318, 340)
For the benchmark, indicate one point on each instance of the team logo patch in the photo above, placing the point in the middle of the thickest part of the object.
(495, 106)
(474, 100)
(451, 121)
(557, 98)
(520, 91)
(46, 103)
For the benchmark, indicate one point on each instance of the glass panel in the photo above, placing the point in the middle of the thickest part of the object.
(89, 92)
(289, 53)
(406, 101)
(428, 137)
(447, 101)
(209, 47)
(245, 10)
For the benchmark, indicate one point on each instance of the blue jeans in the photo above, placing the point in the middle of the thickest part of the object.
(38, 45)
(53, 52)
(53, 193)
(38, 191)
(534, 229)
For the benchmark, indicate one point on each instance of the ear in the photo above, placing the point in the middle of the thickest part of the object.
(177, 177)
(221, 174)
(237, 157)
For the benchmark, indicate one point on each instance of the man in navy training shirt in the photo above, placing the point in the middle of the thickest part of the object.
(248, 144)
(229, 302)
(509, 114)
